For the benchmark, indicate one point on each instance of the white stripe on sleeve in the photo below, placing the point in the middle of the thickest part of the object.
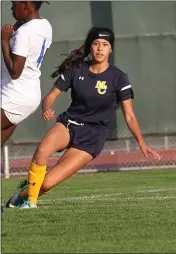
(126, 87)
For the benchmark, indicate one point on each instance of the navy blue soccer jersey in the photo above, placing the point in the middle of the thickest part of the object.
(94, 96)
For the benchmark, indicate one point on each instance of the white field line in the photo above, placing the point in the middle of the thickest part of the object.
(113, 196)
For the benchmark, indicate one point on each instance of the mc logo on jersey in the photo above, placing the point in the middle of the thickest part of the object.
(101, 87)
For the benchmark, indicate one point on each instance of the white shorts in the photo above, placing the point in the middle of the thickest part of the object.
(17, 113)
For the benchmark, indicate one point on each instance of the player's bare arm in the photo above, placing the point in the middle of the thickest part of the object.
(133, 126)
(48, 111)
(14, 63)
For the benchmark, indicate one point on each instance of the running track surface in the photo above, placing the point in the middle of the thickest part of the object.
(109, 161)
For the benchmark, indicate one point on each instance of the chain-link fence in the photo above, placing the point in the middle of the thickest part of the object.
(122, 154)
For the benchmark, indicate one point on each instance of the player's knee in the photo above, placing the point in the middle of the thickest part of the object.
(41, 156)
(42, 192)
(46, 187)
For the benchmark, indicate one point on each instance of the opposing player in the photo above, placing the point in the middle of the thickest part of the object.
(96, 89)
(23, 48)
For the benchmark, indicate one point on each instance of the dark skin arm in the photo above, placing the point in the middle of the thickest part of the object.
(14, 63)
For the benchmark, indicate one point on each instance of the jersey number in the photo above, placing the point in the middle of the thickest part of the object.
(40, 58)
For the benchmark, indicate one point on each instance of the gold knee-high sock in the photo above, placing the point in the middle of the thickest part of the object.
(35, 179)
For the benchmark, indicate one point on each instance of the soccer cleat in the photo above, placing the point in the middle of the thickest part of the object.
(14, 202)
(27, 204)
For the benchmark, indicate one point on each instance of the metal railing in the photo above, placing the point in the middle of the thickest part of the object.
(118, 155)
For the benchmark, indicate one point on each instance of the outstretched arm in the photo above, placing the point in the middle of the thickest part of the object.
(133, 125)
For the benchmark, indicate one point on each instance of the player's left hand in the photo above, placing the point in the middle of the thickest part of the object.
(147, 150)
(6, 32)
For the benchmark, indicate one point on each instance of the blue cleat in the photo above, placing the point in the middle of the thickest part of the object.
(14, 202)
(27, 204)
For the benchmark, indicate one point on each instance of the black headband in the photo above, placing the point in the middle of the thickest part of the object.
(103, 35)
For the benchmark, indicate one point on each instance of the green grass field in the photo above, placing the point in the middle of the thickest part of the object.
(126, 212)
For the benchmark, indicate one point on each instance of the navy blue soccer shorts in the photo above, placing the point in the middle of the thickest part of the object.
(86, 137)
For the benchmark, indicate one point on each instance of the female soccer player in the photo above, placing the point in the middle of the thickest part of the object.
(96, 89)
(23, 47)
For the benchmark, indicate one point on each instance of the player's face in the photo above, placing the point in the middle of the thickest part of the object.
(100, 50)
(19, 10)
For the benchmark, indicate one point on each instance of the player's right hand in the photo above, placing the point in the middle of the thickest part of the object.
(48, 114)
(6, 32)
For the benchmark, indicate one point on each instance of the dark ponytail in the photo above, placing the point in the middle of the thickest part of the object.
(74, 58)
